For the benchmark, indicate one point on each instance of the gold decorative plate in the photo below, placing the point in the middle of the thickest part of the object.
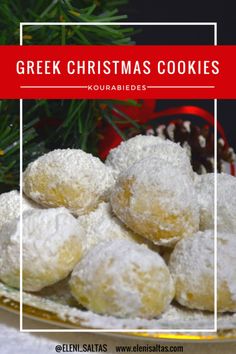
(56, 307)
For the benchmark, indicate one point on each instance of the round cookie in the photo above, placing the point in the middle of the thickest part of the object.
(52, 246)
(28, 204)
(123, 279)
(69, 178)
(142, 146)
(10, 206)
(192, 267)
(226, 202)
(102, 225)
(156, 200)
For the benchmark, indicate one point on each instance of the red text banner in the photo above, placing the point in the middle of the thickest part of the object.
(118, 72)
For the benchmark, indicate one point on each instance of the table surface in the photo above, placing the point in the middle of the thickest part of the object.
(12, 341)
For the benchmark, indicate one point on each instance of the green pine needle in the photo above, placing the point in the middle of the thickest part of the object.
(50, 124)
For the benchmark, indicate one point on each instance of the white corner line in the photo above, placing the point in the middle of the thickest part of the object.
(214, 330)
(215, 200)
(215, 216)
(21, 33)
(21, 198)
(215, 34)
(118, 23)
(211, 330)
(21, 215)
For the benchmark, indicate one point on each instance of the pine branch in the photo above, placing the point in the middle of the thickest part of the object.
(10, 144)
(61, 123)
(14, 12)
(75, 123)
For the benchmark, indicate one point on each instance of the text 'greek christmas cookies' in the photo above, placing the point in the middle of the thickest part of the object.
(142, 146)
(52, 246)
(226, 201)
(123, 279)
(69, 178)
(192, 267)
(156, 200)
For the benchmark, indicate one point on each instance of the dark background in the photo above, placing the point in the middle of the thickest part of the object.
(222, 12)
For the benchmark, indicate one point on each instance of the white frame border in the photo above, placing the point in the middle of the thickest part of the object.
(214, 330)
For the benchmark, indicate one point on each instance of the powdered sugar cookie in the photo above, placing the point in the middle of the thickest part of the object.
(10, 206)
(69, 178)
(52, 245)
(142, 146)
(122, 279)
(102, 225)
(226, 202)
(156, 200)
(192, 267)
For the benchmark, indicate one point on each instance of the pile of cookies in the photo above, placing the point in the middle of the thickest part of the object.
(133, 234)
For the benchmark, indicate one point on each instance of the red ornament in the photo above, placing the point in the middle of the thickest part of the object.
(141, 113)
(109, 139)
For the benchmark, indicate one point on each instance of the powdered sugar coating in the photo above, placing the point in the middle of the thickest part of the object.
(10, 206)
(52, 245)
(142, 146)
(123, 279)
(192, 267)
(102, 225)
(226, 202)
(156, 200)
(28, 204)
(70, 178)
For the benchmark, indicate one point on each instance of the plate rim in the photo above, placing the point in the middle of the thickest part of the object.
(52, 318)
